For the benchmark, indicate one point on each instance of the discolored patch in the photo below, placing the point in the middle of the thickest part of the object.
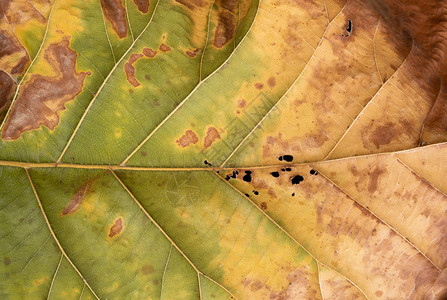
(76, 200)
(6, 261)
(164, 48)
(241, 103)
(116, 228)
(227, 20)
(147, 269)
(143, 5)
(188, 138)
(129, 69)
(192, 53)
(7, 86)
(13, 57)
(148, 52)
(115, 13)
(424, 23)
(42, 98)
(385, 134)
(211, 136)
(259, 86)
(191, 4)
(271, 82)
(297, 179)
(373, 179)
(263, 205)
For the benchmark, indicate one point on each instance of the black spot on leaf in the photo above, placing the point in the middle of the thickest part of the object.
(297, 179)
(275, 174)
(247, 176)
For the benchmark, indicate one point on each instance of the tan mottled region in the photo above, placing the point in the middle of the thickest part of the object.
(440, 287)
(164, 48)
(425, 24)
(429, 162)
(211, 136)
(148, 52)
(227, 21)
(115, 13)
(76, 200)
(31, 110)
(116, 228)
(397, 196)
(333, 227)
(259, 86)
(143, 5)
(129, 69)
(339, 80)
(190, 137)
(335, 286)
(298, 288)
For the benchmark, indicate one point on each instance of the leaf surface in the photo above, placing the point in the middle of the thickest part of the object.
(220, 149)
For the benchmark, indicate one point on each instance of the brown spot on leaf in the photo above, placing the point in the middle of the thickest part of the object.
(148, 52)
(143, 5)
(241, 103)
(6, 261)
(193, 53)
(76, 200)
(42, 98)
(115, 13)
(271, 81)
(7, 86)
(116, 228)
(155, 282)
(259, 86)
(227, 19)
(188, 138)
(129, 69)
(147, 269)
(164, 48)
(263, 205)
(383, 134)
(211, 135)
(374, 177)
(379, 293)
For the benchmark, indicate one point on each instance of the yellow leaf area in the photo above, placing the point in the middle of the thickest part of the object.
(200, 149)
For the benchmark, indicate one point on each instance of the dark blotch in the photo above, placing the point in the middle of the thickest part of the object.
(6, 261)
(247, 195)
(288, 158)
(263, 206)
(297, 179)
(247, 176)
(275, 174)
(313, 172)
(256, 193)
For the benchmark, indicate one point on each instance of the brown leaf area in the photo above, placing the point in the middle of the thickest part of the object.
(115, 13)
(54, 92)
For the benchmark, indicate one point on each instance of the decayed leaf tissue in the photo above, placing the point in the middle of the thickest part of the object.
(223, 149)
